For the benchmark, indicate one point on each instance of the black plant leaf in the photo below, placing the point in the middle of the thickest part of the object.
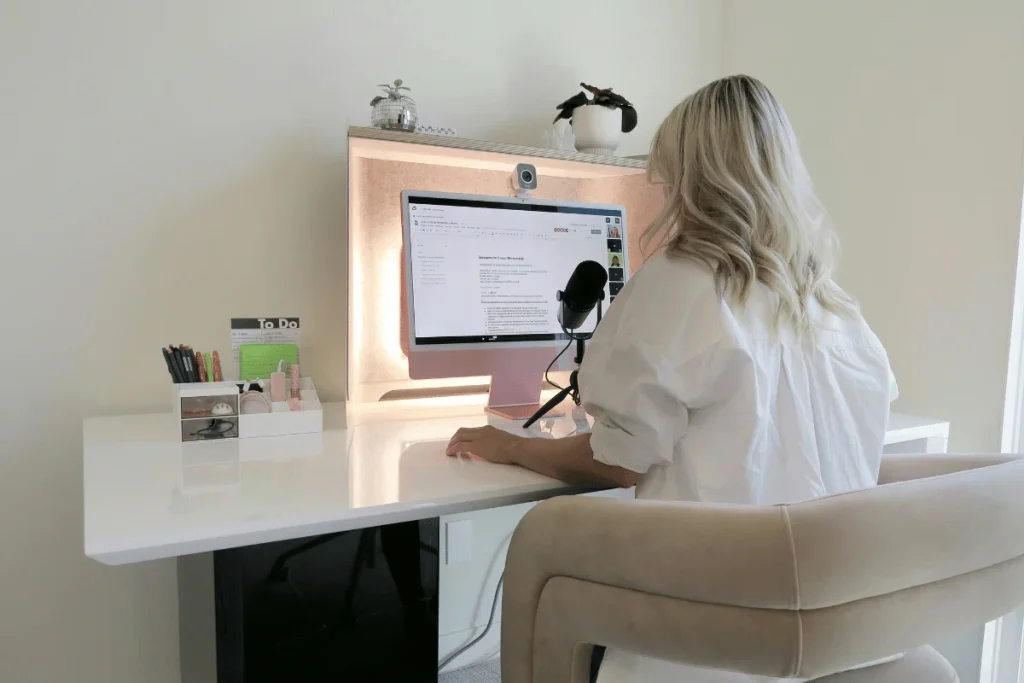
(567, 107)
(628, 118)
(603, 97)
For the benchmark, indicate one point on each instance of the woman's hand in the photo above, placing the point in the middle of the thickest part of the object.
(570, 459)
(489, 443)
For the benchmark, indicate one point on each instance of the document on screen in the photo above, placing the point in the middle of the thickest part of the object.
(481, 273)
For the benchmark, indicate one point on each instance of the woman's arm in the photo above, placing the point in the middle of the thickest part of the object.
(570, 459)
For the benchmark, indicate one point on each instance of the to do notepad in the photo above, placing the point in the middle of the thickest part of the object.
(257, 361)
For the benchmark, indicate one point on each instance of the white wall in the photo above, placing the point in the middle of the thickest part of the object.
(911, 117)
(151, 153)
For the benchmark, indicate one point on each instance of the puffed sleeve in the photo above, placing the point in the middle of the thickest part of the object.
(637, 415)
(646, 363)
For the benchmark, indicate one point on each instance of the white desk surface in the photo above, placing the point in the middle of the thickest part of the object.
(904, 428)
(147, 496)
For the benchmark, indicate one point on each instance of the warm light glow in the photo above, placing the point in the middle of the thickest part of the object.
(374, 472)
(389, 294)
(486, 160)
(378, 172)
(356, 288)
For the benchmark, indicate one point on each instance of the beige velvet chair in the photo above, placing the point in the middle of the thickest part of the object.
(803, 590)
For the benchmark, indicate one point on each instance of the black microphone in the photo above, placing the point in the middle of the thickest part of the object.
(584, 289)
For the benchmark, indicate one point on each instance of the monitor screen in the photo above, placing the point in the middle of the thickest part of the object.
(486, 270)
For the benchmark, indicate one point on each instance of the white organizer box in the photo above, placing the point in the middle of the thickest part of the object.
(209, 411)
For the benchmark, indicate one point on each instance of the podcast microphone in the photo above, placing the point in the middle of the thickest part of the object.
(584, 289)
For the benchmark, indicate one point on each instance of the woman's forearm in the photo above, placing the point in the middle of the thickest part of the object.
(570, 460)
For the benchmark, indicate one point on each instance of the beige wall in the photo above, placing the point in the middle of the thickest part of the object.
(156, 158)
(911, 117)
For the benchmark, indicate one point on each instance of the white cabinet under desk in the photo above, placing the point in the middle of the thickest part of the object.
(253, 521)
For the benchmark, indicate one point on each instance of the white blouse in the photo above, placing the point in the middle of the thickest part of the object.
(710, 402)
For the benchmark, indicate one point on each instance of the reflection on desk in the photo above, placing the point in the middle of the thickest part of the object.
(147, 496)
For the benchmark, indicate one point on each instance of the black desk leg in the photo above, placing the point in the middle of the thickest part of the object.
(228, 605)
(357, 606)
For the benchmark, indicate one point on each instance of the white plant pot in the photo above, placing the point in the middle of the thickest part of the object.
(598, 129)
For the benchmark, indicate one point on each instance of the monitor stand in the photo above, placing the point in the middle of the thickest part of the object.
(516, 395)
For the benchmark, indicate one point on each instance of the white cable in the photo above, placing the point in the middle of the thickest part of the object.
(490, 621)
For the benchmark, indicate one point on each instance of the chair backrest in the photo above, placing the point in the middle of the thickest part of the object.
(798, 590)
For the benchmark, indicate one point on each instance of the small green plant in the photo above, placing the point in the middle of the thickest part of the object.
(394, 92)
(603, 97)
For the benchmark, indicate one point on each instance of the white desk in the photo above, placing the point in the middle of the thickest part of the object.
(379, 476)
(148, 496)
(909, 434)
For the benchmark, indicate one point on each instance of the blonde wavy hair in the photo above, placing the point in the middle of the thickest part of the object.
(739, 199)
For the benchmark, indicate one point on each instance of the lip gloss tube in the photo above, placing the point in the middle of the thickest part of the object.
(294, 398)
(277, 391)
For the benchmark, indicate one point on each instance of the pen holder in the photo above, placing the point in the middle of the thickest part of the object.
(209, 411)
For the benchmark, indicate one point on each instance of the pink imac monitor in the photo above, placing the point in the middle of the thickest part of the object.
(482, 275)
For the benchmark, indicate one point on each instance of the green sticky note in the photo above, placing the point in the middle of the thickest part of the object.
(257, 361)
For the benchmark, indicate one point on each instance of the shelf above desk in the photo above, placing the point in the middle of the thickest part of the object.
(437, 150)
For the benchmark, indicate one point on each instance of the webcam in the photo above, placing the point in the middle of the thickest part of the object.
(526, 177)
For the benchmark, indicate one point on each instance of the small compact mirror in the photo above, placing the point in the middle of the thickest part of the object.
(252, 402)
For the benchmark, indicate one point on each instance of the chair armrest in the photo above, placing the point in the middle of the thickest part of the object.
(896, 468)
(718, 586)
(691, 551)
(665, 570)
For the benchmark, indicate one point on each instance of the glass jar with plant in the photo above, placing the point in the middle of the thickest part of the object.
(395, 110)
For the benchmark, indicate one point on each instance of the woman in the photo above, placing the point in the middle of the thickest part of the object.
(730, 369)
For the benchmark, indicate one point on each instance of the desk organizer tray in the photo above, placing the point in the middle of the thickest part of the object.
(209, 411)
